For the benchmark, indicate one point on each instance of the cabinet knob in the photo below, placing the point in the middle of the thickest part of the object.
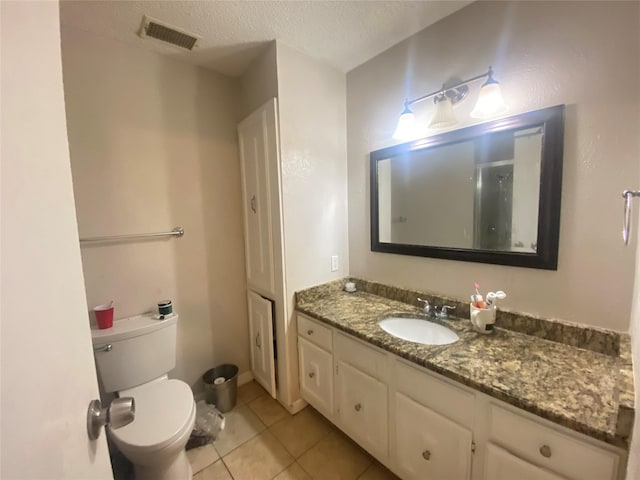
(426, 455)
(309, 332)
(312, 374)
(545, 451)
(358, 407)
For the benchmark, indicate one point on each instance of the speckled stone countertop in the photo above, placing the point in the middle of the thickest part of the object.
(582, 389)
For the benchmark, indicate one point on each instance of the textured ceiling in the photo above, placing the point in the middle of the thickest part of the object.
(341, 33)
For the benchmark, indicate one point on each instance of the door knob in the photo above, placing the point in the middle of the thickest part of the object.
(121, 412)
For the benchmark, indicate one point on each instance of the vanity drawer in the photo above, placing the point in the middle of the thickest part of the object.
(361, 356)
(314, 332)
(447, 399)
(551, 449)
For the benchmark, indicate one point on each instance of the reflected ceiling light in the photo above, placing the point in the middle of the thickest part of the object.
(490, 103)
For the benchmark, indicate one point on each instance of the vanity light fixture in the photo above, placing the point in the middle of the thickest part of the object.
(490, 103)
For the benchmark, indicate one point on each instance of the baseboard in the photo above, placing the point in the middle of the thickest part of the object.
(245, 377)
(296, 406)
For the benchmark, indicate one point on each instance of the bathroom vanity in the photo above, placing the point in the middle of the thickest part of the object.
(492, 407)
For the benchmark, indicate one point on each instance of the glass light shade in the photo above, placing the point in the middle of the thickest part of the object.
(444, 116)
(490, 102)
(406, 129)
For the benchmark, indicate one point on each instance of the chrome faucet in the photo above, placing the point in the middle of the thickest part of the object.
(436, 312)
(428, 309)
(444, 311)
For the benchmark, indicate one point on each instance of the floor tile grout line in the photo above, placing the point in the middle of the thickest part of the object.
(257, 433)
(305, 451)
(287, 466)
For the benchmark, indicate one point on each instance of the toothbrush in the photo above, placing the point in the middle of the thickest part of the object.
(477, 298)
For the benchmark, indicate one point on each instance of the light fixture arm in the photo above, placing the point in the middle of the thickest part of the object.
(488, 74)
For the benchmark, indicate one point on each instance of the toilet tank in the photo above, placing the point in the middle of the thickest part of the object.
(142, 348)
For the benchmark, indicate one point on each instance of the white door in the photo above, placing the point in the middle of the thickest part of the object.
(430, 446)
(258, 153)
(48, 374)
(501, 465)
(261, 335)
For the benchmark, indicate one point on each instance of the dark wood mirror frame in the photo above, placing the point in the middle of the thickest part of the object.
(551, 120)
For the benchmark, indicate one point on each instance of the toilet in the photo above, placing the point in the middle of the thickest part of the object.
(133, 358)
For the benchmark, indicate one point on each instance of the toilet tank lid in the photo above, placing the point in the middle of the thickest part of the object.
(131, 327)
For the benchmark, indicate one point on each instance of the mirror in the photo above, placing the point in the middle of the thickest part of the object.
(487, 193)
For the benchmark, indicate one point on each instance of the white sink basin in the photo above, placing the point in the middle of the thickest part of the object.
(418, 330)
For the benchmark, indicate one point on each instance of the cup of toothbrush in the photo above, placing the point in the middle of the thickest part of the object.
(483, 313)
(482, 319)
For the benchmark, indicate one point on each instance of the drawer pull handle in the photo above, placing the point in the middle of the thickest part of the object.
(309, 332)
(426, 455)
(545, 451)
(358, 407)
(312, 374)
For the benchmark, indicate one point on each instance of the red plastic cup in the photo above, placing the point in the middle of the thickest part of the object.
(104, 316)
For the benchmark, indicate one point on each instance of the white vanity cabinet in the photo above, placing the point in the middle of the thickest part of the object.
(429, 445)
(361, 393)
(424, 426)
(537, 443)
(433, 426)
(316, 364)
(501, 465)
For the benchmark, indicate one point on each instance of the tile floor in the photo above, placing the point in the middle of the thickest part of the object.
(262, 441)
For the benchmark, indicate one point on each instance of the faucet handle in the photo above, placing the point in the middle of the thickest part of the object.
(427, 307)
(444, 311)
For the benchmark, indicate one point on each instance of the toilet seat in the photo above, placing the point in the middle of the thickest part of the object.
(164, 411)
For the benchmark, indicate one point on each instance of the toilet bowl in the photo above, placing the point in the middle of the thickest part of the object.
(133, 358)
(155, 441)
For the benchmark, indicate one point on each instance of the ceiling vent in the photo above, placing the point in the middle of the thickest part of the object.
(168, 33)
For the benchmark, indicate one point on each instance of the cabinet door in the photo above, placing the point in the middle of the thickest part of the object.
(316, 376)
(430, 446)
(261, 333)
(362, 408)
(258, 151)
(501, 465)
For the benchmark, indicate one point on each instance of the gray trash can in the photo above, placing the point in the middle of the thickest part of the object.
(221, 386)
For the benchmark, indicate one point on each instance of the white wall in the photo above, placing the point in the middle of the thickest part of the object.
(312, 117)
(259, 83)
(153, 145)
(543, 53)
(48, 374)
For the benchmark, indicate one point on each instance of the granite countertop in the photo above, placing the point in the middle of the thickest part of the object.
(574, 387)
